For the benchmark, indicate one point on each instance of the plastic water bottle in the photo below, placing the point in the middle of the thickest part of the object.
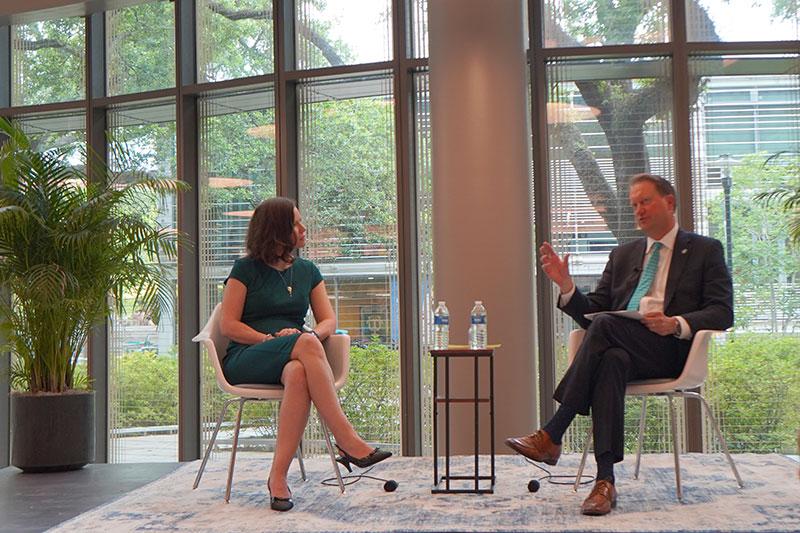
(441, 327)
(477, 327)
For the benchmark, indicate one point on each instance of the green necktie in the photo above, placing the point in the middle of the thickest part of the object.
(648, 275)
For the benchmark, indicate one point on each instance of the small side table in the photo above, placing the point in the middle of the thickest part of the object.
(442, 484)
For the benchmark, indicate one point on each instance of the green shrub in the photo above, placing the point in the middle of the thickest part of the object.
(754, 385)
(371, 398)
(147, 385)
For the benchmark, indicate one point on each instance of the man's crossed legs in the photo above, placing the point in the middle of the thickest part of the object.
(614, 351)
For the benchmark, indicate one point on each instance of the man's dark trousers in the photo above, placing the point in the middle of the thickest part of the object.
(614, 351)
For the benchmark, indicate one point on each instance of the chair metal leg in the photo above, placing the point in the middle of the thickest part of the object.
(332, 454)
(720, 437)
(642, 418)
(675, 449)
(211, 442)
(579, 475)
(299, 454)
(233, 450)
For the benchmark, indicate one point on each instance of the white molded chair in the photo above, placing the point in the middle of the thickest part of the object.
(693, 376)
(337, 350)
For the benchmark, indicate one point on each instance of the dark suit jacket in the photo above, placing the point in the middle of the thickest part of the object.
(698, 287)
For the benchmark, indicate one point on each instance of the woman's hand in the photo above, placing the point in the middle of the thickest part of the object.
(286, 331)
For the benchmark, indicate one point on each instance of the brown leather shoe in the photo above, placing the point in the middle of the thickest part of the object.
(537, 447)
(602, 499)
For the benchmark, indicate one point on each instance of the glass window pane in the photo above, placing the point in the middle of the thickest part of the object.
(234, 39)
(348, 197)
(741, 151)
(48, 61)
(606, 121)
(342, 32)
(572, 23)
(143, 356)
(717, 20)
(237, 172)
(140, 48)
(419, 28)
(65, 132)
(425, 266)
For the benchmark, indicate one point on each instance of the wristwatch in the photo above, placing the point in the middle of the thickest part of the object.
(314, 332)
(678, 328)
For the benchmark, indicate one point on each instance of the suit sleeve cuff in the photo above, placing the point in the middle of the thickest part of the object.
(566, 297)
(686, 331)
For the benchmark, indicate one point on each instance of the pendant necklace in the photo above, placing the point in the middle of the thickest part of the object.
(291, 280)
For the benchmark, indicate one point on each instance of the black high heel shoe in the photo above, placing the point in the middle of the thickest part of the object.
(375, 456)
(279, 504)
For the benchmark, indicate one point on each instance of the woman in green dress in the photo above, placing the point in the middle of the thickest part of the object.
(264, 306)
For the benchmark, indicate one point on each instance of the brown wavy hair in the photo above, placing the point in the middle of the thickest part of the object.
(270, 232)
(663, 186)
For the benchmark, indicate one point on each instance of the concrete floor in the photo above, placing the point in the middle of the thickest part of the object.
(36, 502)
(146, 448)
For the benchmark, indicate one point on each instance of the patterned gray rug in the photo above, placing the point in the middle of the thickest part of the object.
(770, 500)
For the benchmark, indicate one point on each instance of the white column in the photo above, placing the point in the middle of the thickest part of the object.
(483, 238)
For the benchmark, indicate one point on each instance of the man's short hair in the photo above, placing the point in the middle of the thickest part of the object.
(662, 186)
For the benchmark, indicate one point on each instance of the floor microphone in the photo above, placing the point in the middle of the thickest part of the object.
(389, 485)
(535, 484)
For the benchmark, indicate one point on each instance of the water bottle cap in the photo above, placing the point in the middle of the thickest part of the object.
(441, 302)
(478, 302)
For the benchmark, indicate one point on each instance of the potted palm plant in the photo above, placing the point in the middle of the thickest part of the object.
(72, 249)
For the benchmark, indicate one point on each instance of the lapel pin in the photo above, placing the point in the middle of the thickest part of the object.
(684, 250)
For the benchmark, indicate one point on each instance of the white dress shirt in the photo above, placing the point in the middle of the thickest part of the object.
(653, 300)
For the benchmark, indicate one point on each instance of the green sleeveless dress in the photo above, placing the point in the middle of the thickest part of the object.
(269, 306)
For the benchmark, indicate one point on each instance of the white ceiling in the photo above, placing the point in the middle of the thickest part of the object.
(22, 11)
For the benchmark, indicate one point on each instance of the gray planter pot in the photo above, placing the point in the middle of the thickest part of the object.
(52, 432)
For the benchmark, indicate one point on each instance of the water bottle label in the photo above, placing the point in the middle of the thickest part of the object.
(441, 320)
(478, 319)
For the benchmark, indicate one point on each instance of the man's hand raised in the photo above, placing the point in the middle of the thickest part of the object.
(556, 268)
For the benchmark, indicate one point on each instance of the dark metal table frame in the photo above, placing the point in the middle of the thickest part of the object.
(476, 400)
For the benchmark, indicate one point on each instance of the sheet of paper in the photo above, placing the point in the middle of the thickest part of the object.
(633, 315)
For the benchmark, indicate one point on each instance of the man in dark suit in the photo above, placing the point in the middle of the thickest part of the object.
(677, 281)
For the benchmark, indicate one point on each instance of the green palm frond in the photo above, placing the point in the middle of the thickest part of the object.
(16, 136)
(73, 246)
(159, 186)
(50, 283)
(786, 196)
(15, 213)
